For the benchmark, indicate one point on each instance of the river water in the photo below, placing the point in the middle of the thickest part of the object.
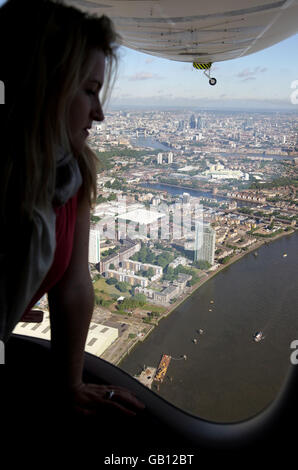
(150, 142)
(176, 190)
(227, 376)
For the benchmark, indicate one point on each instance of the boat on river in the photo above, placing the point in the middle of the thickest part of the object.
(162, 368)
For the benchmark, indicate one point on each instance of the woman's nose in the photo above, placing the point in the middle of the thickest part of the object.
(98, 113)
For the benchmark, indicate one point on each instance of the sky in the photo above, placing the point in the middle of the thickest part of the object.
(261, 80)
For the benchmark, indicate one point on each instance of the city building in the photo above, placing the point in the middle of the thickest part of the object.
(179, 260)
(204, 243)
(137, 266)
(170, 158)
(218, 172)
(247, 196)
(94, 246)
(99, 338)
(192, 122)
(181, 125)
(186, 198)
(140, 223)
(123, 275)
(127, 249)
(167, 294)
(200, 124)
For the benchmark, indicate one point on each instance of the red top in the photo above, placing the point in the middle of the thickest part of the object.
(65, 226)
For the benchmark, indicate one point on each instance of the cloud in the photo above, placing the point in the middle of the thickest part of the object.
(144, 76)
(251, 74)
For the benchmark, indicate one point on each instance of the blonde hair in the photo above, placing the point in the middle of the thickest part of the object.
(42, 74)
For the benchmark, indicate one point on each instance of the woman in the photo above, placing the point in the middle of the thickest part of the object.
(54, 62)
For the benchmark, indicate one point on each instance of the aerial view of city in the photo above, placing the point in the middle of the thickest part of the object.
(181, 195)
(149, 215)
(193, 236)
(218, 171)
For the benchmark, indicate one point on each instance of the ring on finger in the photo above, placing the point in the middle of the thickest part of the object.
(110, 394)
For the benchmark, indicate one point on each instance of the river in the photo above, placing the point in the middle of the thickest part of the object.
(227, 376)
(176, 190)
(150, 142)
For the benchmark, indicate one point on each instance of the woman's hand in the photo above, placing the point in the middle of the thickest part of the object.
(93, 399)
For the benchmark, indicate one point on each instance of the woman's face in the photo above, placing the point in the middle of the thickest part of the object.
(86, 107)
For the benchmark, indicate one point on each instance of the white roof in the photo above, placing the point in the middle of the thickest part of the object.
(99, 338)
(142, 216)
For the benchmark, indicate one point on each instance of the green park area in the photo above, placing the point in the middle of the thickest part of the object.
(106, 295)
(108, 291)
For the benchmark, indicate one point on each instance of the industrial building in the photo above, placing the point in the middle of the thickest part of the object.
(99, 338)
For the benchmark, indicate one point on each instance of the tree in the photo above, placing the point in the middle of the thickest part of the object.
(150, 273)
(170, 270)
(202, 264)
(164, 259)
(122, 286)
(141, 299)
(95, 219)
(150, 258)
(142, 255)
(225, 260)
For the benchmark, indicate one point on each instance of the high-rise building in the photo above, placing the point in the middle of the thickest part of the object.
(181, 125)
(159, 158)
(192, 122)
(186, 198)
(205, 243)
(170, 157)
(199, 123)
(94, 246)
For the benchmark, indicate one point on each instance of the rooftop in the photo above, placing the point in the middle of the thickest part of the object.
(141, 216)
